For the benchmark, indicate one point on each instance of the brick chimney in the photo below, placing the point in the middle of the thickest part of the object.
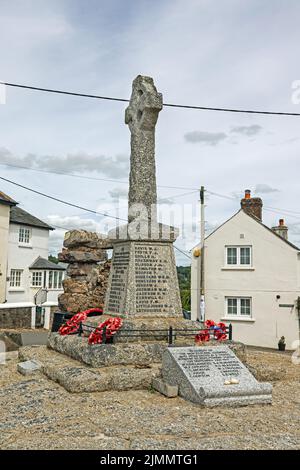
(252, 205)
(281, 229)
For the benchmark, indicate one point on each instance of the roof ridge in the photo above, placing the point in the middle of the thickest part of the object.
(270, 229)
(253, 217)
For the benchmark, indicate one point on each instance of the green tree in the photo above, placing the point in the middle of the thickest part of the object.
(184, 280)
(54, 259)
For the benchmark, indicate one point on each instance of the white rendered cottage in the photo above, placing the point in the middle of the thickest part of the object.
(24, 267)
(251, 278)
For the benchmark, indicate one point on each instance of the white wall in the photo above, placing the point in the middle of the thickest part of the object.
(21, 257)
(4, 228)
(195, 286)
(275, 271)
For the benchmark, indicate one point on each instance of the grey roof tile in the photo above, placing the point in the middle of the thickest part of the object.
(19, 216)
(42, 263)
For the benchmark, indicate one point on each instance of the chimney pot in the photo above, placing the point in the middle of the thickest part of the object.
(281, 229)
(252, 205)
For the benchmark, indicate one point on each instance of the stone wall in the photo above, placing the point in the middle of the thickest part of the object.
(87, 272)
(15, 317)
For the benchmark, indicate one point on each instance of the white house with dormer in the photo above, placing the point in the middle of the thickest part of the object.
(251, 278)
(27, 277)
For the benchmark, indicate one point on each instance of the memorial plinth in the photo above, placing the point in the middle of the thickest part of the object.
(143, 280)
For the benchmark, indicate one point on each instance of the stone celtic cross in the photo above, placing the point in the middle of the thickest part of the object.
(143, 281)
(141, 117)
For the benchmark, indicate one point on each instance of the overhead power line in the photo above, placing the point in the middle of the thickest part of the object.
(62, 173)
(193, 190)
(115, 217)
(162, 199)
(93, 178)
(286, 212)
(224, 196)
(99, 97)
(183, 252)
(283, 210)
(281, 213)
(63, 92)
(74, 205)
(60, 200)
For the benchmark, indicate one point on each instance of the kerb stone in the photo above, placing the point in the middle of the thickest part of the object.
(170, 391)
(29, 367)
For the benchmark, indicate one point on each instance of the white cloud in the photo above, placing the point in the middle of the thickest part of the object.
(72, 223)
(165, 200)
(215, 138)
(56, 239)
(113, 167)
(249, 131)
(118, 193)
(265, 189)
(206, 138)
(66, 223)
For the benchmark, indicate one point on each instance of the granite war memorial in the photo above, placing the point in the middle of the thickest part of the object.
(143, 298)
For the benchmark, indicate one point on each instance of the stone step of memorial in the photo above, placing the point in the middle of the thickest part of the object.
(106, 355)
(128, 351)
(77, 378)
(147, 329)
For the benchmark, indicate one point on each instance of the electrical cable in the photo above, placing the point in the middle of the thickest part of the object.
(99, 97)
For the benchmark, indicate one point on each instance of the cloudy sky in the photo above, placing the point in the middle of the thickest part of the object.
(240, 54)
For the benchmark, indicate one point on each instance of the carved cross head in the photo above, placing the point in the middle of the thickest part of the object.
(145, 104)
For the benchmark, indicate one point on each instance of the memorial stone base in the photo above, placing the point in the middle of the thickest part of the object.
(143, 280)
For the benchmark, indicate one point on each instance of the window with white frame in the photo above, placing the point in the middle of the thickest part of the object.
(238, 307)
(24, 235)
(238, 255)
(55, 279)
(15, 279)
(60, 279)
(37, 279)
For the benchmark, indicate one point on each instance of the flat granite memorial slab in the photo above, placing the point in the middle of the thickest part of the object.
(213, 376)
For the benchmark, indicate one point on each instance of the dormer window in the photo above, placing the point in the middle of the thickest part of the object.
(24, 235)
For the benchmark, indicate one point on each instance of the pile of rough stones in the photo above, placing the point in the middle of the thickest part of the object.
(87, 272)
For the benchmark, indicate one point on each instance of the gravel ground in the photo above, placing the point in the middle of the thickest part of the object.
(39, 414)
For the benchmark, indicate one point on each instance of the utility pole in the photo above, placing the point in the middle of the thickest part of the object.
(202, 272)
